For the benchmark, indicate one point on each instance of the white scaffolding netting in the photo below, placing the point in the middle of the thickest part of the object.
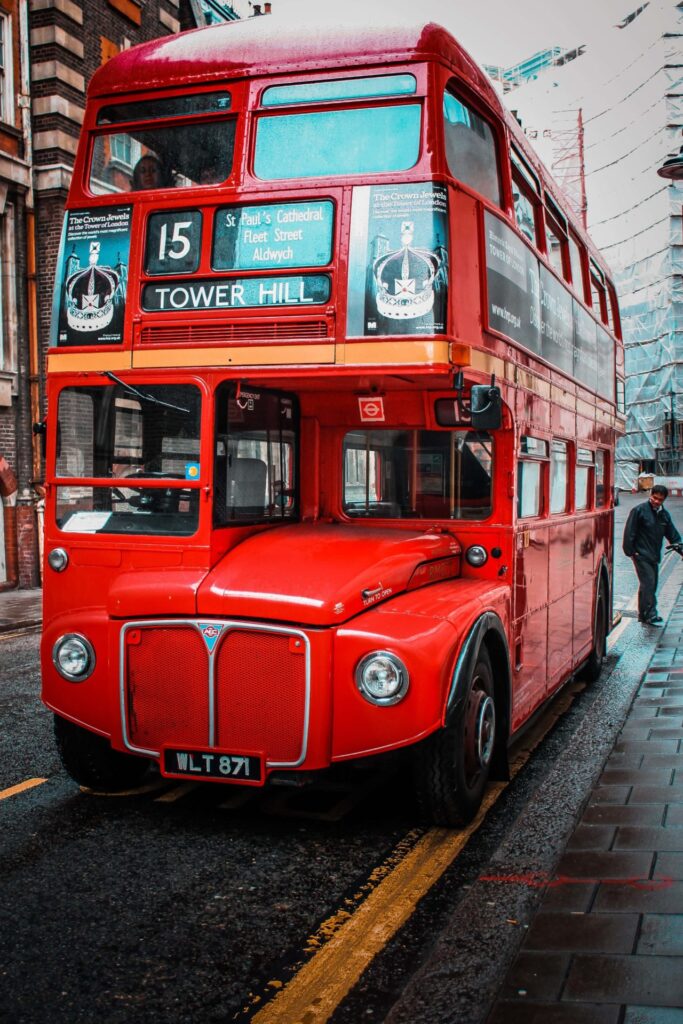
(628, 85)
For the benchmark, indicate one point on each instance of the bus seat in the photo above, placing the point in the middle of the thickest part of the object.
(247, 484)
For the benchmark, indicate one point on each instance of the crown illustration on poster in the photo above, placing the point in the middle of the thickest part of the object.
(90, 295)
(405, 278)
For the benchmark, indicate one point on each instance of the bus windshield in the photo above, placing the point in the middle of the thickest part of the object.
(359, 141)
(127, 433)
(418, 474)
(153, 157)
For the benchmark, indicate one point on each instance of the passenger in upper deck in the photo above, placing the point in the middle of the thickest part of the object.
(149, 173)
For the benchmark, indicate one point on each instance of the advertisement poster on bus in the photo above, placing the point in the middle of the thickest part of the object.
(513, 285)
(92, 273)
(528, 303)
(398, 260)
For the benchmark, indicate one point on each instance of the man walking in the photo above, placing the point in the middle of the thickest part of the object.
(646, 527)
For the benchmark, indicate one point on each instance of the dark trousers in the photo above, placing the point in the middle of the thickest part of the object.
(648, 575)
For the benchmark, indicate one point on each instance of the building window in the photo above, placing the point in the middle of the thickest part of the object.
(6, 85)
(8, 308)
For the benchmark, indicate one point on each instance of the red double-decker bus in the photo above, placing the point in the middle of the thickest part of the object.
(333, 397)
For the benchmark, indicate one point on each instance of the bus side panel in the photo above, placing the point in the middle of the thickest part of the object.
(560, 602)
(529, 656)
(584, 585)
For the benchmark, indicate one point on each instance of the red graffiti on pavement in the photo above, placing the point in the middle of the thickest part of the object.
(541, 881)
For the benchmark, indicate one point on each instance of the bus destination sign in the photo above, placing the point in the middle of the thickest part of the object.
(273, 236)
(235, 293)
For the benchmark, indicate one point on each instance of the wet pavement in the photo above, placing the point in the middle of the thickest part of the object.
(20, 609)
(606, 945)
(599, 936)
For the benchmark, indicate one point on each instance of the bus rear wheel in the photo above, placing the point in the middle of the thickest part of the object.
(90, 760)
(593, 666)
(452, 767)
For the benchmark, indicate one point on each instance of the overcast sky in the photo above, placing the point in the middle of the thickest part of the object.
(494, 31)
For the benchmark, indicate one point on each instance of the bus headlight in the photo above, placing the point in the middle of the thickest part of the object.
(73, 657)
(476, 555)
(58, 559)
(382, 678)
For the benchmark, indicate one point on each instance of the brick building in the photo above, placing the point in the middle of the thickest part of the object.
(49, 50)
(16, 367)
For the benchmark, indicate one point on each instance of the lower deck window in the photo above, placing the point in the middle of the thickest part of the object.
(533, 454)
(418, 474)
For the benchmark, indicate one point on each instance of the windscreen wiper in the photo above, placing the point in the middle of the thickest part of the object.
(140, 394)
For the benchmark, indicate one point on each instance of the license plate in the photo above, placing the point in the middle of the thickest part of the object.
(218, 765)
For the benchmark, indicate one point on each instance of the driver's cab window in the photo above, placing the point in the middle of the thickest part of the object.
(256, 451)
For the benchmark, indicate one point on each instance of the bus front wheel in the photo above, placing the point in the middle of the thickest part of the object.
(90, 760)
(453, 765)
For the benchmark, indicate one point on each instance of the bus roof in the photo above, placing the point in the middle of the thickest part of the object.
(273, 44)
(279, 44)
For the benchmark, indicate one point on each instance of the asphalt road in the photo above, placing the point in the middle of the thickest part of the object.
(182, 904)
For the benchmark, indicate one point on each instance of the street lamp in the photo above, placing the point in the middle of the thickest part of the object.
(672, 167)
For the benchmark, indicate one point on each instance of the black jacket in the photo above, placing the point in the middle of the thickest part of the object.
(646, 529)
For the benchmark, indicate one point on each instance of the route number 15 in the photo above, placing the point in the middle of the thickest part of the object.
(173, 242)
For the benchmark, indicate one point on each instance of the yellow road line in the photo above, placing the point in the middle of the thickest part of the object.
(20, 788)
(317, 989)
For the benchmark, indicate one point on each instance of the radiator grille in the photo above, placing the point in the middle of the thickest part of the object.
(258, 680)
(223, 333)
(167, 670)
(260, 694)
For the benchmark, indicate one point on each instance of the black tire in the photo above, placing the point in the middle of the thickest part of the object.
(593, 667)
(452, 766)
(90, 760)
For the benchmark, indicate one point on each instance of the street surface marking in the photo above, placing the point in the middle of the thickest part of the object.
(321, 984)
(21, 787)
(355, 938)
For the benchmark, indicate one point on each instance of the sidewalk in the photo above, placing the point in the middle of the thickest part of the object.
(606, 945)
(20, 609)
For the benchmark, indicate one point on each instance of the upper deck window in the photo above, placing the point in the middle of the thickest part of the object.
(366, 140)
(525, 195)
(471, 148)
(152, 157)
(173, 106)
(340, 89)
(556, 238)
(576, 259)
